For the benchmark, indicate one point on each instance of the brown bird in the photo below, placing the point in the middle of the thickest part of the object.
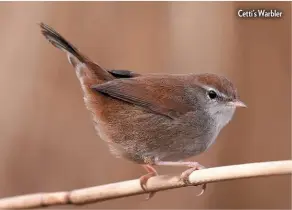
(153, 119)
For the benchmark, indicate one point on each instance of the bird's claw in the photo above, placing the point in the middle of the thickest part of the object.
(204, 187)
(185, 175)
(144, 179)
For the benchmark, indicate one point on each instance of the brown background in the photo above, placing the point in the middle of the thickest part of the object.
(47, 140)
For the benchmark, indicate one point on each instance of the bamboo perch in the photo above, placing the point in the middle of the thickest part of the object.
(154, 184)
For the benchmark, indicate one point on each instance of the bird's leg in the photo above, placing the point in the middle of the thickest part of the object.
(143, 179)
(193, 166)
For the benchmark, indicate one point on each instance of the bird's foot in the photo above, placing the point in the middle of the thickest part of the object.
(185, 175)
(143, 179)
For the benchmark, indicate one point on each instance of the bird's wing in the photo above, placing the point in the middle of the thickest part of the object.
(153, 94)
(123, 73)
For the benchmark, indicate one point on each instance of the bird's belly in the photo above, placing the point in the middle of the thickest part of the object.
(173, 145)
(189, 148)
(138, 135)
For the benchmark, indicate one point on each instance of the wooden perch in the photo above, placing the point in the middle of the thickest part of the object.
(158, 183)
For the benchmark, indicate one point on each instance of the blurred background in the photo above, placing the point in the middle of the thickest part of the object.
(47, 139)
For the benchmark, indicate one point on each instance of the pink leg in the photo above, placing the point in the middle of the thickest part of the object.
(193, 166)
(143, 179)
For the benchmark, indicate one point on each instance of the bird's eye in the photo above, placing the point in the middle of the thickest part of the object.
(212, 94)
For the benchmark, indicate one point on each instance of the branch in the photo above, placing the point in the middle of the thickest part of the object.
(154, 184)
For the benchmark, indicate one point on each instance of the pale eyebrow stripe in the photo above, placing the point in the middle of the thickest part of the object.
(216, 90)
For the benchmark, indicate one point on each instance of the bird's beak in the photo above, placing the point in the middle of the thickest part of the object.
(238, 103)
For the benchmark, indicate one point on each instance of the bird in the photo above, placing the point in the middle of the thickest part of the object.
(152, 119)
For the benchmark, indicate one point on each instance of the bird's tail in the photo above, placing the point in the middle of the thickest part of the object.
(58, 41)
(74, 55)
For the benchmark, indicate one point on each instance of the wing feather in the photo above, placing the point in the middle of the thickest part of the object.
(153, 95)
